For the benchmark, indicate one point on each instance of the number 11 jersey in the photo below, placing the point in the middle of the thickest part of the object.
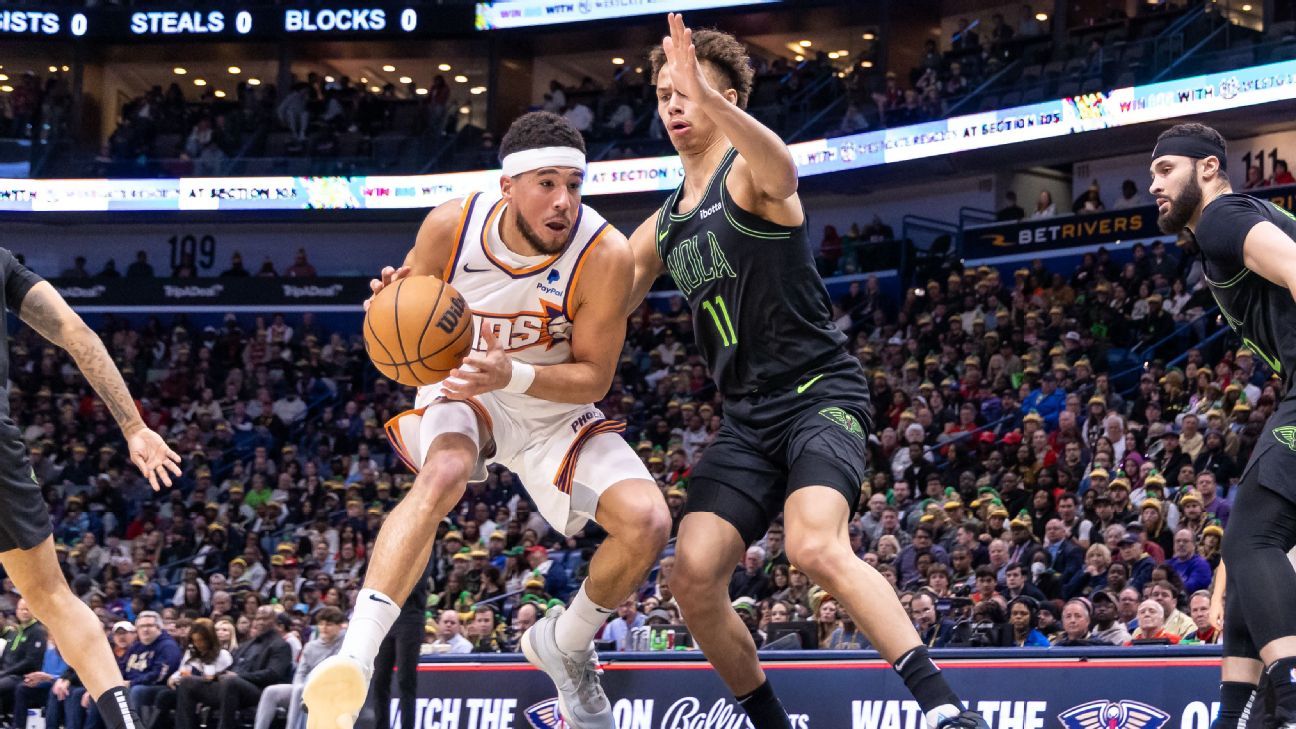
(761, 314)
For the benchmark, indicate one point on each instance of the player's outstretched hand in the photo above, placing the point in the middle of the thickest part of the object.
(385, 278)
(686, 72)
(153, 457)
(480, 373)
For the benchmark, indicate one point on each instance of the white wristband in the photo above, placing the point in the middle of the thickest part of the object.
(523, 375)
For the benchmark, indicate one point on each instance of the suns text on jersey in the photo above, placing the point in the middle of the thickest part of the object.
(525, 329)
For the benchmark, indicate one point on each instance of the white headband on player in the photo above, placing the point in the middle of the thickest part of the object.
(517, 163)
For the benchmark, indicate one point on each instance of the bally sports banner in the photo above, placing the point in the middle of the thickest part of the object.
(1130, 688)
(1109, 226)
(1050, 119)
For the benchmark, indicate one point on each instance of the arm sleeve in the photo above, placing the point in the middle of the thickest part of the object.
(1223, 229)
(18, 280)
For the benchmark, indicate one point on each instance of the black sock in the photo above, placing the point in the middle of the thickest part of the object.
(1282, 681)
(764, 708)
(925, 681)
(1235, 701)
(116, 711)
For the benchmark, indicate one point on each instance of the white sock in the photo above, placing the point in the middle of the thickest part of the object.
(941, 713)
(580, 622)
(371, 620)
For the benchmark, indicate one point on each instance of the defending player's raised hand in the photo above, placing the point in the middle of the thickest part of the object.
(153, 457)
(686, 72)
(480, 372)
(385, 279)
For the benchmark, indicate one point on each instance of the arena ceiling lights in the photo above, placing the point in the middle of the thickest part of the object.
(1046, 120)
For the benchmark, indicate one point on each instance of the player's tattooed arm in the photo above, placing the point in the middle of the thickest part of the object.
(46, 312)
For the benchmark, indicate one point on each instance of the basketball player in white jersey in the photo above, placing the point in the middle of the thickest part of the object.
(546, 279)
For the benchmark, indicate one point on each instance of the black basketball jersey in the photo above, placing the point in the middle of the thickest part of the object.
(761, 314)
(1261, 312)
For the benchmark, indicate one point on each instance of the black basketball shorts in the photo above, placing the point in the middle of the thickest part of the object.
(811, 433)
(24, 517)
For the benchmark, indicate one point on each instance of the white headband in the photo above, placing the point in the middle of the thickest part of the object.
(533, 159)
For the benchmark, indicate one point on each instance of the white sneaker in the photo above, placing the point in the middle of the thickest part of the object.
(575, 675)
(335, 692)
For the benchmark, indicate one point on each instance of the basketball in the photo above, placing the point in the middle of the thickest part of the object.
(417, 330)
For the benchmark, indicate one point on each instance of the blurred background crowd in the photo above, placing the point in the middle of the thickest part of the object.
(1018, 496)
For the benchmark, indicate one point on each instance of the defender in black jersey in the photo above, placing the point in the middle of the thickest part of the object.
(26, 543)
(796, 404)
(1248, 251)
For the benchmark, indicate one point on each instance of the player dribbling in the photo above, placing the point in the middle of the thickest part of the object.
(546, 278)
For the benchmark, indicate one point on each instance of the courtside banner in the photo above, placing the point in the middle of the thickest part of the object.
(1111, 226)
(213, 294)
(1071, 115)
(1136, 690)
(1064, 231)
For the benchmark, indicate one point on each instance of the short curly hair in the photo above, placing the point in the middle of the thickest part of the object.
(721, 51)
(537, 129)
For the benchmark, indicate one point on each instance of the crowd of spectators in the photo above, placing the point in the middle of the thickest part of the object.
(37, 107)
(317, 117)
(1018, 497)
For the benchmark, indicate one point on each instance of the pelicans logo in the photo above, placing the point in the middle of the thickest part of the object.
(1286, 435)
(1103, 714)
(545, 715)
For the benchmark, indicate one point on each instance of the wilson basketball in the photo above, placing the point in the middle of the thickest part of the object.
(417, 330)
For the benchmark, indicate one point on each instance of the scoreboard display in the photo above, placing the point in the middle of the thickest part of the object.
(117, 24)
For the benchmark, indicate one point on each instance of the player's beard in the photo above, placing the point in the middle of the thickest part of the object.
(540, 244)
(1182, 207)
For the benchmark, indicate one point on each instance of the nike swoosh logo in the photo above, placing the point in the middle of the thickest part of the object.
(467, 269)
(662, 235)
(806, 386)
(375, 598)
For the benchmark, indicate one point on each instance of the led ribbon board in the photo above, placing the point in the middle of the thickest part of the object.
(529, 13)
(1046, 120)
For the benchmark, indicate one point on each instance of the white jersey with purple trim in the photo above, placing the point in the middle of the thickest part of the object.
(565, 455)
(525, 301)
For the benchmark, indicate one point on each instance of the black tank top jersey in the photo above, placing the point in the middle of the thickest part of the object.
(1262, 313)
(761, 314)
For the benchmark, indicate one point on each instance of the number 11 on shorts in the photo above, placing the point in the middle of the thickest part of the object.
(728, 337)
